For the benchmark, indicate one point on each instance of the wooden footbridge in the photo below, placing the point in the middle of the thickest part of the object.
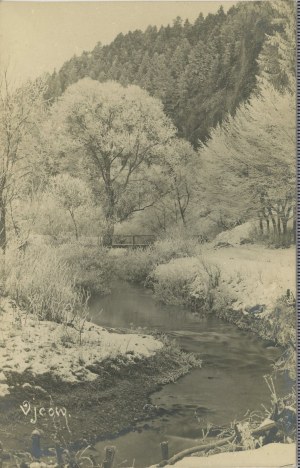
(132, 241)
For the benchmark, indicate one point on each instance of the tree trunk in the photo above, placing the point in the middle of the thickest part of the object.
(284, 226)
(108, 234)
(175, 210)
(294, 225)
(109, 229)
(16, 227)
(261, 226)
(182, 214)
(182, 206)
(279, 225)
(2, 226)
(75, 224)
(266, 217)
(285, 237)
(272, 219)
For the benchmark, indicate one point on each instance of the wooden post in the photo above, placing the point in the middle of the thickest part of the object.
(1, 454)
(238, 435)
(36, 443)
(109, 457)
(66, 457)
(164, 450)
(59, 452)
(133, 240)
(93, 460)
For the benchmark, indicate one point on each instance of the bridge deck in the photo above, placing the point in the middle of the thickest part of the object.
(132, 241)
(131, 246)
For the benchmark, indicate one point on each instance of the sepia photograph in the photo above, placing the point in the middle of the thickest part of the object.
(148, 234)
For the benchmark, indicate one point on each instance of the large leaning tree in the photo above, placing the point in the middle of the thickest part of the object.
(19, 112)
(117, 134)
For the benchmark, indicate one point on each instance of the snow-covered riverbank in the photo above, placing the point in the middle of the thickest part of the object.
(239, 281)
(39, 347)
(102, 383)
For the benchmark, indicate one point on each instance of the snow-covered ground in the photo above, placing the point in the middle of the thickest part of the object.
(41, 346)
(268, 456)
(253, 274)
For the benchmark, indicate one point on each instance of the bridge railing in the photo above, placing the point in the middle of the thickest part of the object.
(132, 240)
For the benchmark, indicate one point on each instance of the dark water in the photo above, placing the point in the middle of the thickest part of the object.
(229, 382)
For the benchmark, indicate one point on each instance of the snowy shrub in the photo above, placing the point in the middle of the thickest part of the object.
(39, 280)
(199, 290)
(137, 265)
(282, 328)
(283, 320)
(91, 266)
(172, 281)
(175, 247)
(188, 281)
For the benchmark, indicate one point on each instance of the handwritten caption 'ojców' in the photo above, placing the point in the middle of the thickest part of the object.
(35, 412)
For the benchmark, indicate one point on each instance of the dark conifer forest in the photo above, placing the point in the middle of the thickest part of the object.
(200, 71)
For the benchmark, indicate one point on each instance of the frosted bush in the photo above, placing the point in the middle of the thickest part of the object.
(91, 266)
(199, 289)
(39, 280)
(186, 281)
(176, 247)
(137, 265)
(172, 281)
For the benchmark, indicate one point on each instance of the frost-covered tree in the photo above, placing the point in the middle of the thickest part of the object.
(178, 167)
(71, 194)
(18, 118)
(278, 57)
(118, 133)
(248, 166)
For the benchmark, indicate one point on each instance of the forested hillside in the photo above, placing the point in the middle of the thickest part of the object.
(200, 71)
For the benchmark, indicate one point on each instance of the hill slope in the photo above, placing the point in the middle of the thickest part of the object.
(200, 71)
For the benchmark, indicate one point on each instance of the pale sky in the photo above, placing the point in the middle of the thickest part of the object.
(36, 37)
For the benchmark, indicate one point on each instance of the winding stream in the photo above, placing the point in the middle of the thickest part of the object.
(229, 382)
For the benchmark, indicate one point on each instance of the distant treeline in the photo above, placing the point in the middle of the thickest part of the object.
(200, 71)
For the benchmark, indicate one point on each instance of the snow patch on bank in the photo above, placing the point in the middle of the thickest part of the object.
(254, 275)
(27, 344)
(268, 456)
(236, 236)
